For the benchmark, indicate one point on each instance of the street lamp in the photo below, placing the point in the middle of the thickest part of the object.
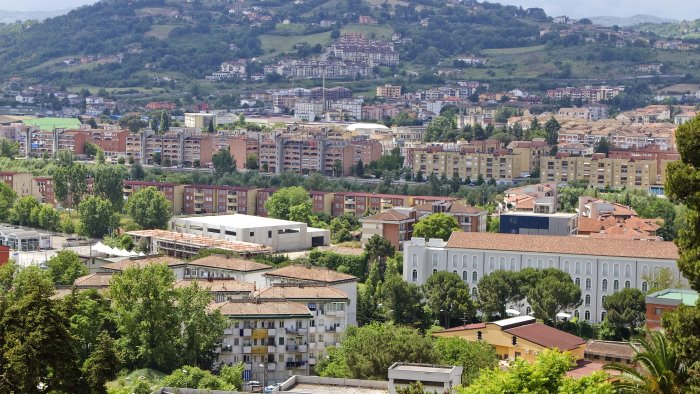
(264, 367)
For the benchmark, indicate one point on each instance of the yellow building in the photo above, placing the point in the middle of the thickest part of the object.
(519, 337)
(601, 172)
(500, 167)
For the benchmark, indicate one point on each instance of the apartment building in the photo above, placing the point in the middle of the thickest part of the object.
(20, 182)
(592, 94)
(328, 307)
(322, 202)
(396, 225)
(389, 91)
(603, 172)
(270, 337)
(358, 204)
(469, 218)
(111, 141)
(501, 166)
(309, 275)
(600, 267)
(199, 120)
(203, 199)
(172, 191)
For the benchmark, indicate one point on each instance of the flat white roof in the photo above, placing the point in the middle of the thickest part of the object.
(238, 221)
(514, 320)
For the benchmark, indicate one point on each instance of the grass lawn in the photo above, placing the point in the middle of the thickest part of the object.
(277, 45)
(382, 32)
(160, 31)
(513, 51)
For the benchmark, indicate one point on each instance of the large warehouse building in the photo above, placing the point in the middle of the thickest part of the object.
(280, 235)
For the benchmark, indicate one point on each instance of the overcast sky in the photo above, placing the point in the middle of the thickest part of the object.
(673, 9)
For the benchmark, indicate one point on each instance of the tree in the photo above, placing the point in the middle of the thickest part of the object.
(223, 163)
(552, 128)
(661, 280)
(164, 124)
(661, 370)
(436, 225)
(497, 290)
(70, 184)
(337, 168)
(108, 184)
(149, 208)
(448, 297)
(625, 311)
(96, 217)
(602, 146)
(137, 172)
(251, 162)
(100, 157)
(102, 365)
(201, 330)
(547, 375)
(35, 346)
(65, 267)
(143, 301)
(473, 356)
(21, 212)
(194, 378)
(7, 199)
(279, 205)
(553, 294)
(378, 249)
(8, 148)
(360, 169)
(210, 128)
(403, 300)
(367, 352)
(89, 314)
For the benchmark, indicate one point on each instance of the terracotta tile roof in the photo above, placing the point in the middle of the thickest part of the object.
(622, 350)
(93, 280)
(202, 242)
(647, 225)
(229, 263)
(590, 225)
(387, 216)
(310, 273)
(302, 293)
(262, 308)
(563, 245)
(546, 336)
(141, 262)
(218, 285)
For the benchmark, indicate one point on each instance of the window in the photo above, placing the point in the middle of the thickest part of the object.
(602, 301)
(658, 311)
(434, 271)
(512, 264)
(628, 271)
(588, 268)
(645, 270)
(576, 314)
(588, 283)
(465, 276)
(588, 300)
(464, 261)
(454, 272)
(578, 267)
(578, 282)
(475, 264)
(566, 265)
(281, 341)
(605, 285)
(474, 292)
(602, 315)
(475, 277)
(435, 258)
(645, 287)
(252, 233)
(491, 264)
(269, 234)
(454, 260)
(529, 263)
(616, 270)
(502, 263)
(605, 268)
(528, 310)
(539, 263)
(414, 276)
(627, 284)
(587, 315)
(616, 285)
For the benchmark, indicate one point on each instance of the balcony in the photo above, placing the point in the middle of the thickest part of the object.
(312, 330)
(295, 364)
(271, 367)
(292, 348)
(271, 349)
(228, 331)
(271, 332)
(303, 348)
(303, 331)
(247, 349)
(247, 332)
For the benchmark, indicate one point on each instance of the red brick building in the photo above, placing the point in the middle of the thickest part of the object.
(664, 301)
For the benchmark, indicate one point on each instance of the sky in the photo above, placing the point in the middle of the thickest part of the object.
(672, 9)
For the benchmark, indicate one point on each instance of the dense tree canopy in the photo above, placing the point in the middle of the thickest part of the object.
(437, 225)
(149, 208)
(280, 204)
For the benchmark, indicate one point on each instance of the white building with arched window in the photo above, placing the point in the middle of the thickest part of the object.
(602, 266)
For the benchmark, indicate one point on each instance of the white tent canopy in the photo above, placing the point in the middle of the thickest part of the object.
(102, 248)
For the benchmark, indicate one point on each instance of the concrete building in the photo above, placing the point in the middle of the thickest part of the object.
(396, 225)
(438, 378)
(309, 275)
(602, 172)
(172, 191)
(202, 199)
(469, 218)
(519, 337)
(562, 224)
(280, 235)
(663, 301)
(328, 306)
(270, 337)
(199, 120)
(599, 266)
(389, 91)
(19, 239)
(222, 290)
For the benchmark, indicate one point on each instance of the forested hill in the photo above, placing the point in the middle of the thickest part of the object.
(123, 43)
